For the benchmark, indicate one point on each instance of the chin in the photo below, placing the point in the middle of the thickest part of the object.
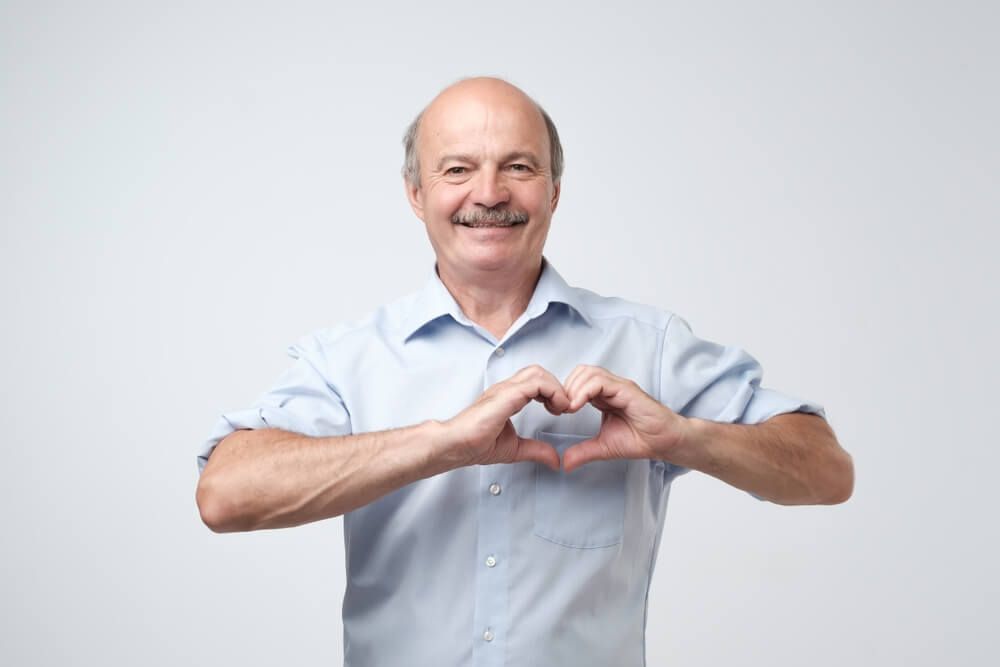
(491, 260)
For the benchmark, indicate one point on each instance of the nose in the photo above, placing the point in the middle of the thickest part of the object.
(489, 189)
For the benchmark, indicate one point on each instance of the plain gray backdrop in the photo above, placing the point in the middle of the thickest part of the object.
(187, 188)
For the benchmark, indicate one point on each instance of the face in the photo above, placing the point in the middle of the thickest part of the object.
(486, 193)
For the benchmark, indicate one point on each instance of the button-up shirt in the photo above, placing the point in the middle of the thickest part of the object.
(507, 564)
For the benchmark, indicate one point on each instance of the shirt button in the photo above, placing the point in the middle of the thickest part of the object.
(488, 636)
(495, 489)
(499, 352)
(490, 561)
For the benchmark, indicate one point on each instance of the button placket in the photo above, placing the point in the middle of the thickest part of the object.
(491, 584)
(491, 617)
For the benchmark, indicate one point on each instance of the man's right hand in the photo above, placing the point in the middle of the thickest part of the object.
(483, 433)
(269, 478)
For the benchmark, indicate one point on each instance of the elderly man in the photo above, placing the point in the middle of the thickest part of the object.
(501, 444)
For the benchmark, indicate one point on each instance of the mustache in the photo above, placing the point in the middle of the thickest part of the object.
(490, 215)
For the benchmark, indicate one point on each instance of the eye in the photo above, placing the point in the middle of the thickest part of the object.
(520, 167)
(454, 171)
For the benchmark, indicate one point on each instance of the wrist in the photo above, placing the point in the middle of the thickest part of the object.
(445, 450)
(692, 449)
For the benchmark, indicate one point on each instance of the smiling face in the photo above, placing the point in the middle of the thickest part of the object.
(486, 193)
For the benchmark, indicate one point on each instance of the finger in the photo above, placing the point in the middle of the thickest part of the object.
(584, 376)
(579, 374)
(512, 396)
(583, 452)
(532, 371)
(568, 382)
(587, 390)
(529, 449)
(556, 399)
(544, 388)
(604, 391)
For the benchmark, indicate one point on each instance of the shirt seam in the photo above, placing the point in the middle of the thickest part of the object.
(659, 369)
(649, 572)
(627, 316)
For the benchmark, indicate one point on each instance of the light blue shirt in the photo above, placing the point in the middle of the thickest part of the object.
(509, 564)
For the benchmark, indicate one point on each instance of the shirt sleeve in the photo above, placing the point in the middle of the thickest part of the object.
(301, 401)
(699, 378)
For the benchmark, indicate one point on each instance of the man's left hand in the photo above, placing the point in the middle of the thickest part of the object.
(634, 425)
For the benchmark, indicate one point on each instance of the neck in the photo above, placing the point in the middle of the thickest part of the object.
(492, 299)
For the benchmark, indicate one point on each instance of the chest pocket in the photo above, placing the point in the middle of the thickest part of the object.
(582, 509)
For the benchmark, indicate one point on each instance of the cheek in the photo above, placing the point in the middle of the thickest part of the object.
(536, 199)
(445, 202)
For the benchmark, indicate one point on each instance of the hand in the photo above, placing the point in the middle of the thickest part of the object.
(483, 433)
(634, 425)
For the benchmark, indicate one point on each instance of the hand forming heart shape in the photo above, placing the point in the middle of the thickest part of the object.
(634, 425)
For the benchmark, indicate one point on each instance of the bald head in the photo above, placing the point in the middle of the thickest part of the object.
(488, 91)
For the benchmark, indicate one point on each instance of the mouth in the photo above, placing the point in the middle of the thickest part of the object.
(482, 225)
(490, 218)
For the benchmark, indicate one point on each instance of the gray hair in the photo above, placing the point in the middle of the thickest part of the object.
(411, 161)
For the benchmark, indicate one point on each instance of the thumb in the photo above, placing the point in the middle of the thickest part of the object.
(582, 452)
(529, 449)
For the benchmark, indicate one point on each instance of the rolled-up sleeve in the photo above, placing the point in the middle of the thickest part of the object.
(699, 378)
(303, 400)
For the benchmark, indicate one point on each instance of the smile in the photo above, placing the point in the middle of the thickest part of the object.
(477, 225)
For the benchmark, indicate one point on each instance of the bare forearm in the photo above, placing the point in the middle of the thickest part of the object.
(270, 478)
(790, 459)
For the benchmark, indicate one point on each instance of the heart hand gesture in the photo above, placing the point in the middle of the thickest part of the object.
(634, 425)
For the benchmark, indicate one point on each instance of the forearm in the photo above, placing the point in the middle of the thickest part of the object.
(790, 459)
(269, 478)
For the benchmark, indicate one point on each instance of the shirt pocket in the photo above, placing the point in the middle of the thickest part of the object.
(585, 508)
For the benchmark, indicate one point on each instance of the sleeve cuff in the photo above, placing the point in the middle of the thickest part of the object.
(251, 418)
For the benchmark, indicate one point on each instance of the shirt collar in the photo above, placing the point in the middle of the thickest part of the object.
(434, 301)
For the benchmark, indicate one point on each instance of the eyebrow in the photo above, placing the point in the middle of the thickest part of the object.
(516, 155)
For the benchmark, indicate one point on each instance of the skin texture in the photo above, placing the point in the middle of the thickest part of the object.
(483, 148)
(790, 459)
(484, 156)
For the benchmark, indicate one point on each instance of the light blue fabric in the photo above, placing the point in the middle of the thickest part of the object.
(553, 568)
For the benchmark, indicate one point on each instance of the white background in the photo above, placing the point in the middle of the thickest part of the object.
(186, 188)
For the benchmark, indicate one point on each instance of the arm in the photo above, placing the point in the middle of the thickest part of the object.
(270, 478)
(790, 459)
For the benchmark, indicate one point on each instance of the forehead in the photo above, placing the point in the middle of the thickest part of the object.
(485, 124)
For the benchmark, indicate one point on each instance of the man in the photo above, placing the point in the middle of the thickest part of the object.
(502, 445)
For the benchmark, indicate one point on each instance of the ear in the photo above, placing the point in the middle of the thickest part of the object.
(415, 196)
(556, 189)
